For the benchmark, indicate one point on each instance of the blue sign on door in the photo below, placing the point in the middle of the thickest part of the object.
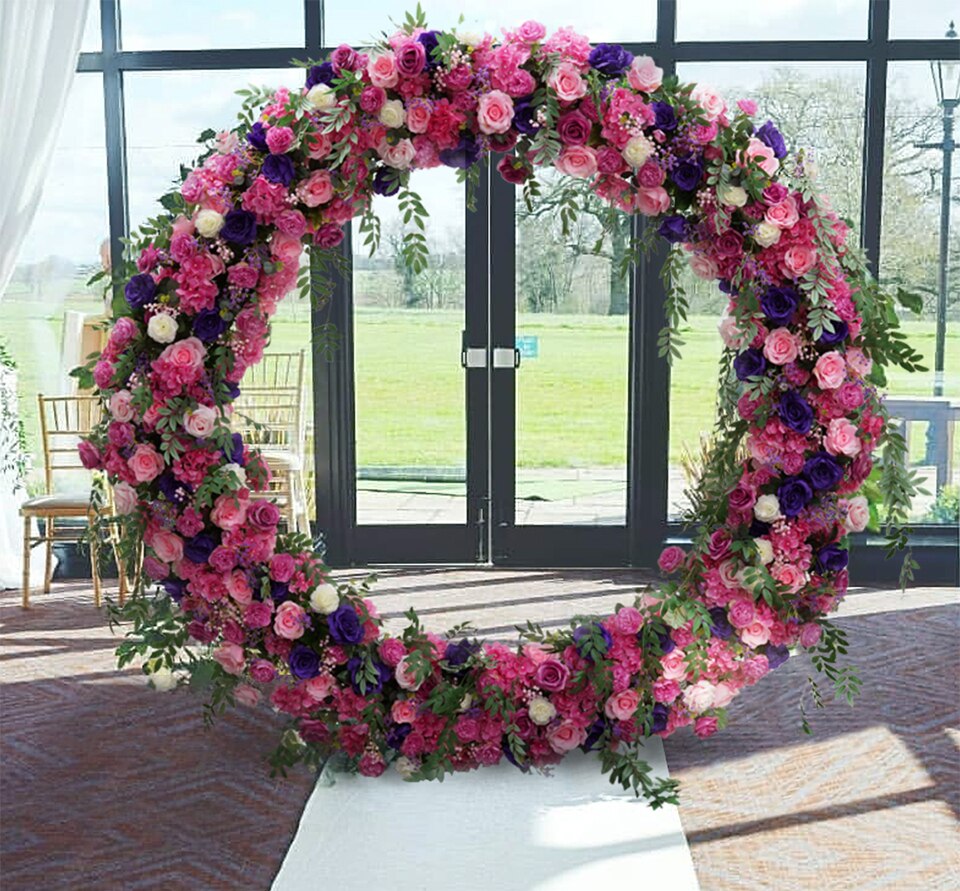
(529, 346)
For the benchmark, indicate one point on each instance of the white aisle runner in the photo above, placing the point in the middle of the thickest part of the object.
(492, 829)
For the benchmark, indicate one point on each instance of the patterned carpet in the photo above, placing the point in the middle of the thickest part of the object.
(105, 784)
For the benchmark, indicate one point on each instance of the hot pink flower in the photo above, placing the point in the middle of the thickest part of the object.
(671, 559)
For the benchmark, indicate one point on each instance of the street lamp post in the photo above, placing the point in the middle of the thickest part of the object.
(946, 83)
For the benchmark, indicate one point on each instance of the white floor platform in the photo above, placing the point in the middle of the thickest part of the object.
(494, 829)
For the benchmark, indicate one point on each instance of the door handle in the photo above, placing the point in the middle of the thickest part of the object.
(506, 357)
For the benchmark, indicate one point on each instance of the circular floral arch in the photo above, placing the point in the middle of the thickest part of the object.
(250, 613)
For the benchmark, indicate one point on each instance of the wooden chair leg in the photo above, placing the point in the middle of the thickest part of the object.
(26, 562)
(49, 529)
(95, 557)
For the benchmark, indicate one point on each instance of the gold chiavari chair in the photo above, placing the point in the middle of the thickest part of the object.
(63, 420)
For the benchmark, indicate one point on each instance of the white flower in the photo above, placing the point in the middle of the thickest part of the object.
(162, 680)
(637, 150)
(767, 508)
(237, 471)
(392, 113)
(321, 96)
(325, 599)
(733, 196)
(699, 697)
(541, 710)
(469, 38)
(764, 550)
(162, 327)
(208, 223)
(405, 767)
(766, 234)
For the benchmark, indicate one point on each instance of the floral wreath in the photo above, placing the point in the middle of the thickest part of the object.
(250, 613)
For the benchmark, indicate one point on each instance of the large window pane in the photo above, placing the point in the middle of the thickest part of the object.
(60, 252)
(910, 259)
(746, 20)
(818, 107)
(90, 43)
(212, 24)
(410, 411)
(921, 21)
(605, 20)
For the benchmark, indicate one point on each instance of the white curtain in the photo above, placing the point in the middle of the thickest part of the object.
(39, 45)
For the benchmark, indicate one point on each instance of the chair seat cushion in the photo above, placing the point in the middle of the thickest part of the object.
(58, 504)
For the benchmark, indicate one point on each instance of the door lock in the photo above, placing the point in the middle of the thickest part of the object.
(506, 357)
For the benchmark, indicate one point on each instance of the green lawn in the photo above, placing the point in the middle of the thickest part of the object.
(571, 399)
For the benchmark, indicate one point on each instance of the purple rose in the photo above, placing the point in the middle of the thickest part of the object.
(841, 331)
(525, 116)
(234, 451)
(795, 411)
(239, 227)
(794, 495)
(209, 325)
(257, 137)
(457, 654)
(661, 714)
(779, 305)
(199, 548)
(573, 128)
(665, 117)
(832, 558)
(776, 656)
(278, 169)
(386, 182)
(175, 588)
(750, 363)
(551, 675)
(466, 153)
(771, 136)
(674, 229)
(397, 734)
(719, 623)
(593, 639)
(411, 58)
(610, 59)
(345, 625)
(687, 173)
(173, 490)
(304, 662)
(263, 515)
(430, 43)
(823, 470)
(140, 290)
(320, 74)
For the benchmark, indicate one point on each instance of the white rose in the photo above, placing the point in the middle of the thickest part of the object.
(162, 327)
(764, 550)
(400, 155)
(392, 114)
(637, 150)
(541, 710)
(208, 223)
(321, 97)
(858, 514)
(470, 38)
(733, 196)
(767, 508)
(237, 471)
(325, 599)
(162, 680)
(699, 696)
(405, 767)
(766, 234)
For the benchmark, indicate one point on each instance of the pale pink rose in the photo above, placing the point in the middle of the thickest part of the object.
(319, 687)
(400, 155)
(841, 438)
(755, 635)
(809, 634)
(709, 100)
(567, 83)
(146, 463)
(565, 737)
(383, 70)
(763, 155)
(628, 620)
(830, 370)
(577, 160)
(790, 575)
(168, 546)
(674, 665)
(187, 354)
(860, 364)
(653, 202)
(405, 677)
(781, 346)
(200, 421)
(671, 558)
(279, 139)
(799, 259)
(121, 407)
(124, 498)
(858, 514)
(494, 112)
(665, 690)
(230, 510)
(723, 694)
(703, 267)
(403, 711)
(644, 75)
(289, 621)
(285, 248)
(418, 117)
(698, 697)
(783, 215)
(730, 334)
(727, 571)
(319, 145)
(622, 706)
(231, 658)
(246, 695)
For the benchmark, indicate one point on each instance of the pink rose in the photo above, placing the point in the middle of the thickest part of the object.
(644, 75)
(551, 675)
(565, 736)
(124, 498)
(830, 370)
(781, 346)
(282, 567)
(742, 613)
(185, 355)
(577, 160)
(223, 559)
(146, 463)
(762, 155)
(238, 586)
(121, 407)
(411, 58)
(703, 267)
(671, 559)
(292, 223)
(317, 189)
(799, 259)
(653, 202)
(246, 695)
(391, 651)
(793, 577)
(320, 687)
(200, 421)
(125, 328)
(279, 139)
(155, 569)
(674, 665)
(849, 396)
(405, 677)
(372, 99)
(403, 711)
(418, 117)
(650, 175)
(698, 697)
(229, 510)
(783, 215)
(710, 101)
(755, 635)
(841, 438)
(531, 32)
(747, 106)
(289, 620)
(257, 614)
(567, 83)
(382, 70)
(494, 112)
(262, 671)
(243, 275)
(665, 691)
(627, 620)
(622, 706)
(231, 658)
(705, 725)
(168, 546)
(263, 515)
(858, 514)
(102, 374)
(400, 155)
(860, 364)
(809, 634)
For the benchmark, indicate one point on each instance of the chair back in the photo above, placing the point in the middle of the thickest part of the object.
(275, 370)
(269, 412)
(63, 420)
